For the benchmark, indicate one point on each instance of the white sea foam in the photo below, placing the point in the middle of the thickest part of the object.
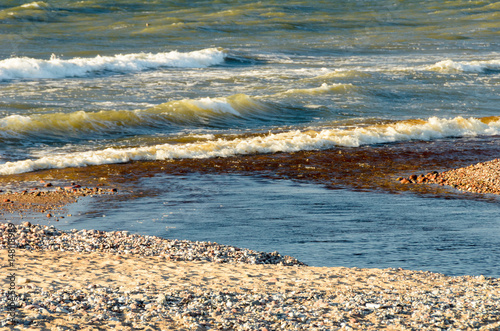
(36, 4)
(324, 88)
(289, 141)
(30, 68)
(465, 66)
(218, 105)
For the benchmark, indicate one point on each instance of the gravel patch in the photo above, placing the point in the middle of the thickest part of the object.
(478, 178)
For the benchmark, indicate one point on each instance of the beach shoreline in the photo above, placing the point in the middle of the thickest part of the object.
(96, 289)
(91, 279)
(35, 193)
(388, 168)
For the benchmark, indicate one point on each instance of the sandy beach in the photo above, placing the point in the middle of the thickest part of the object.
(100, 291)
(96, 280)
(97, 290)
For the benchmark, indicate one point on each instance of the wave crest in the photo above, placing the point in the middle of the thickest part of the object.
(30, 68)
(447, 66)
(182, 112)
(289, 141)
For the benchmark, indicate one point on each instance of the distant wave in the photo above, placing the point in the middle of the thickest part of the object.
(37, 11)
(465, 66)
(323, 89)
(289, 141)
(30, 68)
(444, 66)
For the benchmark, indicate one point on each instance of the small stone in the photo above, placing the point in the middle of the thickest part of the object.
(372, 305)
(49, 215)
(44, 311)
(22, 280)
(162, 299)
(60, 309)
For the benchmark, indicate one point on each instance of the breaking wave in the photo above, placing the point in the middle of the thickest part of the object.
(447, 66)
(289, 141)
(30, 68)
(203, 111)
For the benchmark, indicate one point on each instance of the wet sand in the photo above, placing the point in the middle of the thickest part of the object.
(47, 200)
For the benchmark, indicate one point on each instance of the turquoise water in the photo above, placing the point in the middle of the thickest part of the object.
(98, 82)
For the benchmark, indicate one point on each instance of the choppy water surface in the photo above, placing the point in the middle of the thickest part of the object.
(98, 82)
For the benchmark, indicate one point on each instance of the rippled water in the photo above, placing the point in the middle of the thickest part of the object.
(99, 82)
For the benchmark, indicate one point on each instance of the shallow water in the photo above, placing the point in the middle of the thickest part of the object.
(319, 226)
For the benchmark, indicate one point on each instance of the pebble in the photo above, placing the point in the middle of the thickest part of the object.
(48, 199)
(37, 237)
(478, 178)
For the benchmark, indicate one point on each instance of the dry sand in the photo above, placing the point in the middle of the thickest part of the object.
(201, 295)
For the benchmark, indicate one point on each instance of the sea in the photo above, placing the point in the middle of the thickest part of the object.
(271, 125)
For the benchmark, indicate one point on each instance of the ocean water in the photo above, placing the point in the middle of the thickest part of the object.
(293, 84)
